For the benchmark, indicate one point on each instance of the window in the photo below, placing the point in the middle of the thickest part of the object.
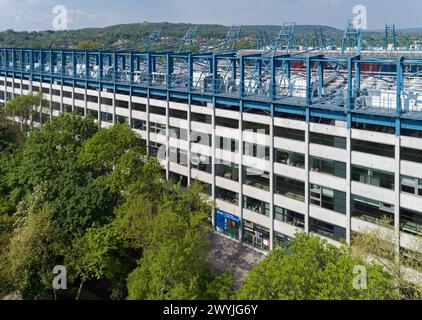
(174, 113)
(139, 124)
(80, 111)
(290, 188)
(290, 217)
(67, 94)
(256, 235)
(227, 195)
(327, 230)
(154, 147)
(256, 206)
(201, 162)
(157, 110)
(79, 96)
(371, 210)
(107, 101)
(121, 119)
(93, 99)
(227, 170)
(56, 93)
(411, 185)
(411, 222)
(178, 156)
(281, 240)
(46, 90)
(331, 167)
(288, 133)
(139, 107)
(256, 178)
(93, 113)
(412, 155)
(178, 178)
(67, 108)
(106, 117)
(157, 128)
(378, 149)
(55, 106)
(201, 138)
(256, 127)
(373, 177)
(226, 122)
(328, 140)
(227, 144)
(328, 198)
(122, 104)
(256, 150)
(179, 133)
(202, 118)
(289, 158)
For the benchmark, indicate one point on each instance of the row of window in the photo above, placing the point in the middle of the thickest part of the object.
(362, 208)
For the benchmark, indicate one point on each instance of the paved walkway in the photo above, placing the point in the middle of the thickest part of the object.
(228, 255)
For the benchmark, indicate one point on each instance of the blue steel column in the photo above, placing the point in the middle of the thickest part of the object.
(190, 71)
(242, 77)
(13, 59)
(41, 64)
(100, 67)
(150, 68)
(259, 73)
(349, 92)
(169, 70)
(115, 67)
(131, 71)
(6, 61)
(214, 73)
(63, 67)
(52, 62)
(320, 78)
(357, 74)
(234, 69)
(74, 63)
(400, 87)
(272, 80)
(308, 88)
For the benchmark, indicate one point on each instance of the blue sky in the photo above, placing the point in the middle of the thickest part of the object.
(37, 14)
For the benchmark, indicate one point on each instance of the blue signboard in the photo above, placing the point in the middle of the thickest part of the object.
(227, 224)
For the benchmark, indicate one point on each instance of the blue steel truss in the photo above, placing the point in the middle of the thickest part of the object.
(385, 91)
(230, 41)
(390, 30)
(186, 42)
(153, 39)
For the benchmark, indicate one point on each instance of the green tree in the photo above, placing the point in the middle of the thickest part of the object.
(24, 108)
(313, 269)
(175, 245)
(46, 152)
(404, 266)
(84, 45)
(32, 255)
(116, 156)
(97, 255)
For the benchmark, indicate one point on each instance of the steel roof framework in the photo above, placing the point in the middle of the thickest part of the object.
(229, 76)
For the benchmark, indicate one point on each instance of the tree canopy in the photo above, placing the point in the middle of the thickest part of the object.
(312, 269)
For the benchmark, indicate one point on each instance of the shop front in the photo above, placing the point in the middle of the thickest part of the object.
(227, 224)
(256, 235)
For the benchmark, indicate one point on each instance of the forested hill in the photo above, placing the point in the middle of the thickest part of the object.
(133, 36)
(119, 36)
